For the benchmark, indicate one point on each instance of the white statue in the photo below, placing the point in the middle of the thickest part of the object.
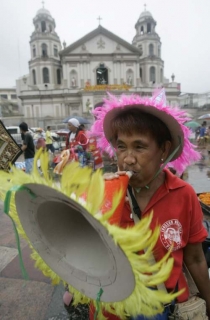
(129, 80)
(73, 82)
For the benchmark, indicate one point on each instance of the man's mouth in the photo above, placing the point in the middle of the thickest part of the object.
(134, 172)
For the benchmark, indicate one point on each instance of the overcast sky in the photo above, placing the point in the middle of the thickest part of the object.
(183, 25)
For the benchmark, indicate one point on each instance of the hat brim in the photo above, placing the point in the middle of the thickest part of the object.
(171, 123)
(75, 245)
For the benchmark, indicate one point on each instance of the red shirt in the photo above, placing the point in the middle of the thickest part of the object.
(177, 210)
(79, 139)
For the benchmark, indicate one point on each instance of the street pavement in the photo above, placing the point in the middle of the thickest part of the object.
(37, 299)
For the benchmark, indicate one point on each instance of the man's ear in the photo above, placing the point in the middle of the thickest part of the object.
(166, 149)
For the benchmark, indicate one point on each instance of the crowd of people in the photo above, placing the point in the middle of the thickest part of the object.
(202, 135)
(79, 146)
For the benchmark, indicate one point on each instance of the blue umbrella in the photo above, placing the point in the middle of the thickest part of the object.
(80, 119)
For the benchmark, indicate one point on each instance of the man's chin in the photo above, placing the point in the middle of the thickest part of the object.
(134, 182)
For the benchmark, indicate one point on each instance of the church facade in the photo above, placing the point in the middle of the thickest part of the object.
(72, 80)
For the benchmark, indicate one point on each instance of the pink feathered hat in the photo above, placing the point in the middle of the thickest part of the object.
(174, 119)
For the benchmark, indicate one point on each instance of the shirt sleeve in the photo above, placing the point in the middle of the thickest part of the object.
(26, 139)
(198, 232)
(82, 139)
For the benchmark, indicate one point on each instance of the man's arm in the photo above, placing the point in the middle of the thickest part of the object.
(196, 263)
(25, 142)
(23, 147)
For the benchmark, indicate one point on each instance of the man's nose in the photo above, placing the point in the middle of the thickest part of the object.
(129, 159)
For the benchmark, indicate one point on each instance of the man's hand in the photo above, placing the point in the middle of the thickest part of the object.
(67, 298)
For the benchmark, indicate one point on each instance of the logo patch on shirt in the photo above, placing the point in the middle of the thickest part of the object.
(171, 234)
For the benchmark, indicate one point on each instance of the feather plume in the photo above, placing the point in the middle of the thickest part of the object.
(143, 300)
(189, 154)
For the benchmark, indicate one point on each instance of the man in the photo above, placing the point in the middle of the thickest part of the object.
(27, 147)
(49, 140)
(203, 133)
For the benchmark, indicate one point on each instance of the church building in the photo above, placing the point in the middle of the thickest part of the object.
(71, 80)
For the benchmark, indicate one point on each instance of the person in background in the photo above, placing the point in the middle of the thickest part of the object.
(76, 144)
(49, 140)
(76, 135)
(202, 134)
(39, 140)
(82, 126)
(27, 147)
(197, 133)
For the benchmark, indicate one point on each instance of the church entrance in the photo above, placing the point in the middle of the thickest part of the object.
(102, 75)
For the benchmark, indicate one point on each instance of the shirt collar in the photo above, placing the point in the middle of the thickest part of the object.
(172, 181)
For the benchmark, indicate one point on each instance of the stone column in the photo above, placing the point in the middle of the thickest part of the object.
(88, 72)
(137, 74)
(85, 71)
(115, 72)
(81, 75)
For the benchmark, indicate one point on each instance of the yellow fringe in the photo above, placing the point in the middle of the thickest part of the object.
(74, 182)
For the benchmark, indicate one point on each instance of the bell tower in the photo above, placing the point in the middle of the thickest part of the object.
(148, 41)
(45, 66)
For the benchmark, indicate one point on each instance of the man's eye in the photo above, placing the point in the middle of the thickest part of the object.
(120, 147)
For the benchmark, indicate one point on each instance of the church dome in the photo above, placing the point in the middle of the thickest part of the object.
(145, 14)
(43, 11)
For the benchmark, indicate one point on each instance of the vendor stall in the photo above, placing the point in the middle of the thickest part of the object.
(204, 199)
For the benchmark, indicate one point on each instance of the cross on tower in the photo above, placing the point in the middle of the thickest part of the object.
(99, 19)
(42, 4)
(145, 7)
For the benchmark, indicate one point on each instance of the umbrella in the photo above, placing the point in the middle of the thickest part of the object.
(192, 124)
(80, 119)
(204, 117)
(189, 115)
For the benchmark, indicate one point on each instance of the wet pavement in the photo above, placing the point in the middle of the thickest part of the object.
(37, 299)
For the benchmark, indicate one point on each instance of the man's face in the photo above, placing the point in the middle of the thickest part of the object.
(141, 154)
(171, 234)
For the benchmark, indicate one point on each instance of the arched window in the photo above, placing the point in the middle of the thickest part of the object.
(46, 78)
(55, 51)
(34, 76)
(148, 27)
(161, 75)
(73, 79)
(159, 51)
(129, 77)
(141, 73)
(43, 26)
(102, 75)
(151, 49)
(58, 76)
(152, 76)
(142, 30)
(140, 49)
(44, 50)
(34, 51)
